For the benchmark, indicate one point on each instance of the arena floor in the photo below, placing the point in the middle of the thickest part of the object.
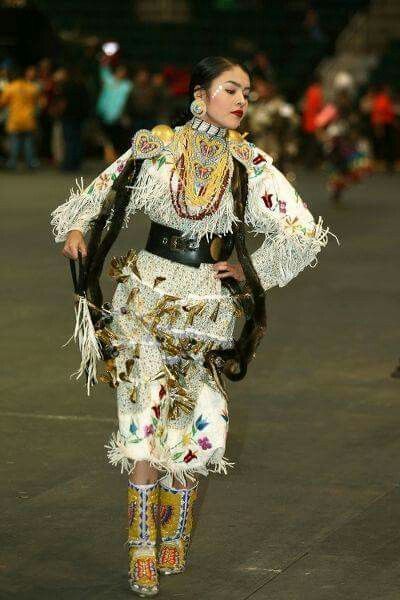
(311, 510)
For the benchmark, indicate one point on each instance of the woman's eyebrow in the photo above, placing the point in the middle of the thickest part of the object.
(238, 84)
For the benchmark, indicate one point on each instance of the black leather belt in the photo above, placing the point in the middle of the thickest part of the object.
(171, 244)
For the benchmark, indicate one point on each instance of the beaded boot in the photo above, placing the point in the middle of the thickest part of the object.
(176, 521)
(142, 537)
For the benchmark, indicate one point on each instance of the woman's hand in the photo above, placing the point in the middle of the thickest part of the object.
(75, 243)
(224, 269)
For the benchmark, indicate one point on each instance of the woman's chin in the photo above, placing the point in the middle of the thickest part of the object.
(230, 122)
(233, 122)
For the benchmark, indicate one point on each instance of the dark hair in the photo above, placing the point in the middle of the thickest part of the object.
(115, 203)
(202, 76)
(233, 362)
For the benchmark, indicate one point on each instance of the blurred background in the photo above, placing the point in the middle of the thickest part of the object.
(310, 511)
(77, 78)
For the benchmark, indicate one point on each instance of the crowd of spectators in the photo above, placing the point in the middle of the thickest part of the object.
(57, 115)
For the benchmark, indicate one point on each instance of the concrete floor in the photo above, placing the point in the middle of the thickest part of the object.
(311, 510)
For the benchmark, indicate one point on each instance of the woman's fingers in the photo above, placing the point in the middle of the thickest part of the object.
(224, 269)
(71, 250)
(82, 248)
(226, 274)
(222, 266)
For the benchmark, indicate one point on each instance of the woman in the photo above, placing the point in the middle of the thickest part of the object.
(168, 335)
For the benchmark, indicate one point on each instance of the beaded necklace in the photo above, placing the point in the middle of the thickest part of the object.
(201, 170)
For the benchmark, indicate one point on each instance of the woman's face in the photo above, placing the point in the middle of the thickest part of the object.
(227, 99)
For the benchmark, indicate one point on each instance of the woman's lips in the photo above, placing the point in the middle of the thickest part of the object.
(238, 113)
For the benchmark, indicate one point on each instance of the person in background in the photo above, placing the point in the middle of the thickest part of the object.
(364, 108)
(60, 75)
(312, 104)
(177, 79)
(46, 82)
(383, 118)
(273, 123)
(74, 108)
(140, 104)
(260, 66)
(146, 101)
(163, 95)
(4, 80)
(21, 96)
(91, 55)
(116, 87)
(346, 151)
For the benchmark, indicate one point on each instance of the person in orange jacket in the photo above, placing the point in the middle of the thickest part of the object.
(313, 102)
(383, 118)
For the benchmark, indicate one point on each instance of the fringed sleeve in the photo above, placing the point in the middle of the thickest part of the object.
(292, 237)
(84, 204)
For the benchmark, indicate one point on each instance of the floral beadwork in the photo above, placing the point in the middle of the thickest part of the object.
(148, 430)
(165, 316)
(189, 456)
(204, 443)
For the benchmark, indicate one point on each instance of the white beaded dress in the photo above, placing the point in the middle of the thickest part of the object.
(172, 411)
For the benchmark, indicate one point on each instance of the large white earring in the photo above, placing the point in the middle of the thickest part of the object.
(198, 107)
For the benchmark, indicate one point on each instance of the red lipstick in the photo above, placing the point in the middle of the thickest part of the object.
(239, 113)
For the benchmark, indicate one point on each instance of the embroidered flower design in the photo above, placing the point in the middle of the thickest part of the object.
(243, 152)
(204, 443)
(267, 199)
(160, 431)
(189, 456)
(224, 415)
(292, 225)
(156, 409)
(311, 232)
(201, 423)
(282, 206)
(162, 392)
(102, 182)
(148, 430)
(186, 439)
(120, 166)
(258, 159)
(133, 428)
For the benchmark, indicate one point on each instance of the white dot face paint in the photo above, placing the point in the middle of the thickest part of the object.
(217, 91)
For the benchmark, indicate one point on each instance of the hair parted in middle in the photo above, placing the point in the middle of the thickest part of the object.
(203, 74)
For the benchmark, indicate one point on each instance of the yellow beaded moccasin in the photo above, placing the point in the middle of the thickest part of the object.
(142, 537)
(176, 522)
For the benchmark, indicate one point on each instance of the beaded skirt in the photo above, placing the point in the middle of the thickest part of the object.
(172, 410)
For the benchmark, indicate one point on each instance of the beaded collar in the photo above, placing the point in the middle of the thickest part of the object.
(207, 128)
